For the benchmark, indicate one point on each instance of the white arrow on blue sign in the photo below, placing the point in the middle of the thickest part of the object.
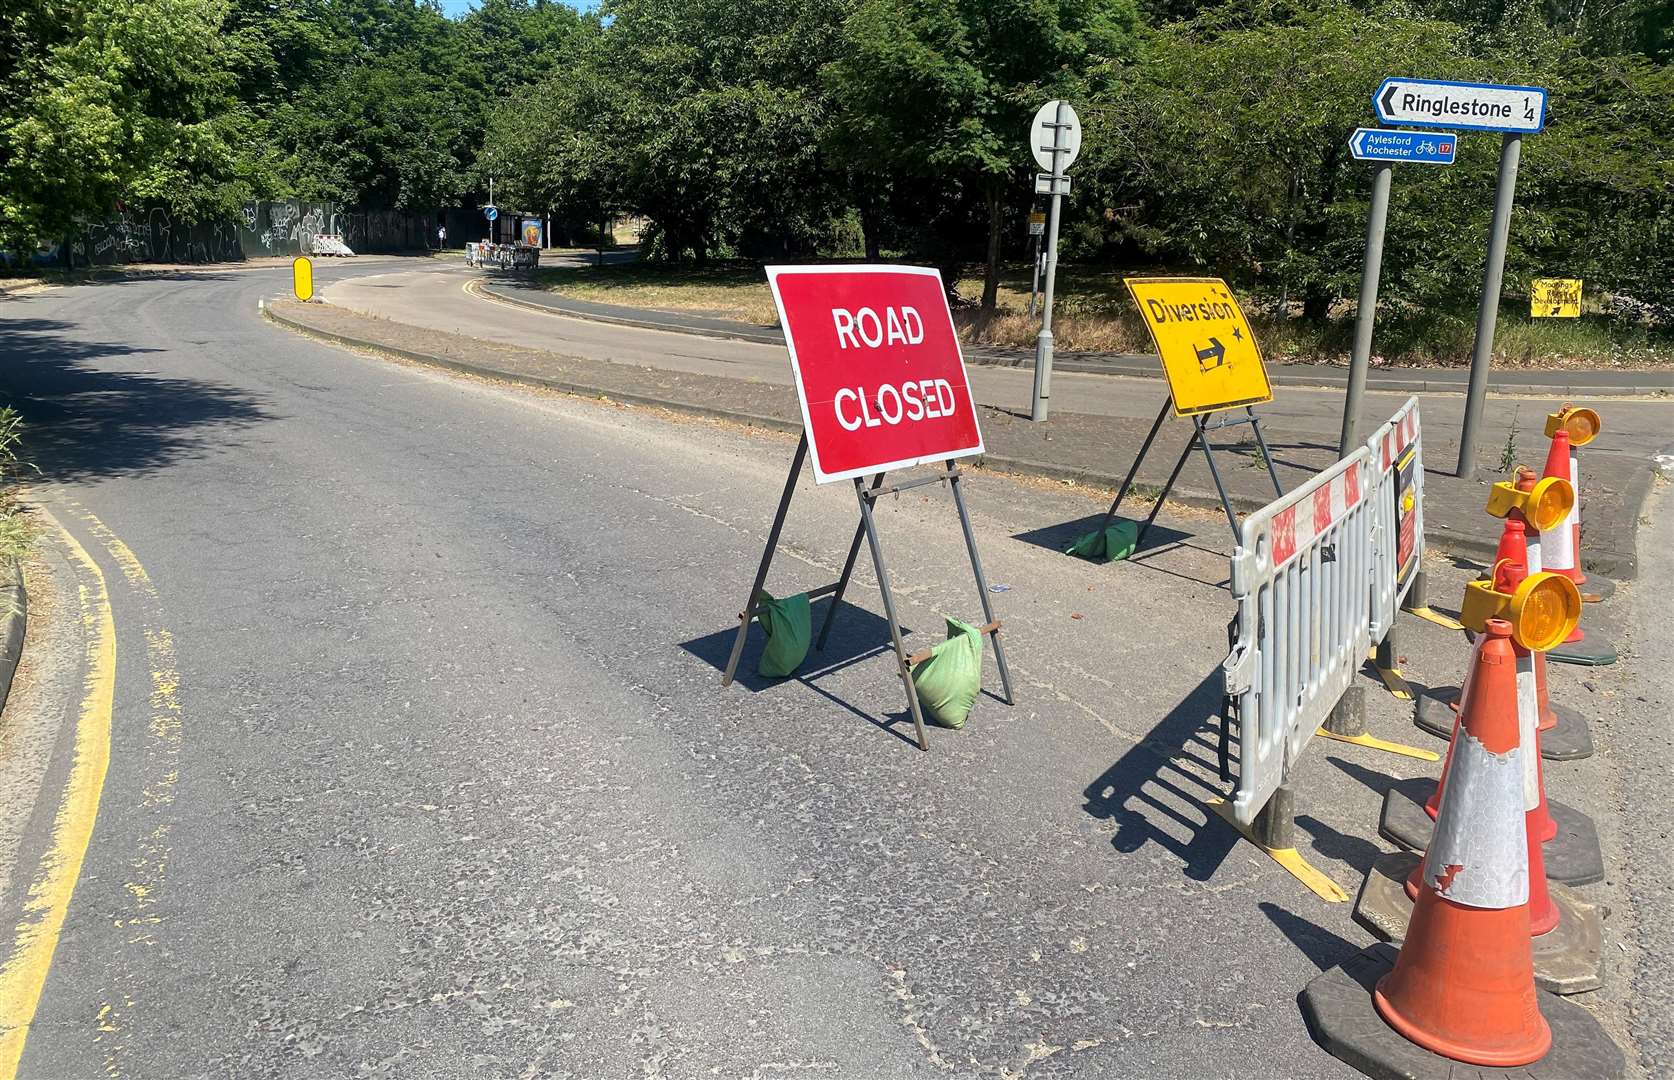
(1480, 106)
(1414, 147)
(491, 212)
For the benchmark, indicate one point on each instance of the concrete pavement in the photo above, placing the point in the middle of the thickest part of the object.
(1584, 382)
(1099, 421)
(444, 783)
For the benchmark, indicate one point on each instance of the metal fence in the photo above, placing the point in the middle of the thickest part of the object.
(1300, 577)
(265, 227)
(1317, 576)
(503, 256)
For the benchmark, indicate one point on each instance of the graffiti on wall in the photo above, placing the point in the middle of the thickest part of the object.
(268, 227)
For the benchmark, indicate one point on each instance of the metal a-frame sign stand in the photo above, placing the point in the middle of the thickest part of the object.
(867, 495)
(882, 384)
(1200, 438)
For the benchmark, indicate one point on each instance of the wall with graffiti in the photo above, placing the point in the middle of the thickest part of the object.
(265, 228)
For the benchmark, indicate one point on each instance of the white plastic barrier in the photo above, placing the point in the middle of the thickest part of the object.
(504, 256)
(1397, 496)
(1301, 577)
(331, 244)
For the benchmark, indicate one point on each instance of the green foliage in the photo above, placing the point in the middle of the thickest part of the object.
(1224, 147)
(117, 99)
(17, 532)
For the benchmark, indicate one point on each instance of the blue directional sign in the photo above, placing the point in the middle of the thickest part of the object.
(1481, 106)
(491, 212)
(1415, 147)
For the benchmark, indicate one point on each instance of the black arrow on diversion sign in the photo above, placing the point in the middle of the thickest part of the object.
(1216, 351)
(1388, 102)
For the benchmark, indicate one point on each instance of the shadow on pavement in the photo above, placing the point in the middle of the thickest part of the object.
(1153, 798)
(856, 635)
(1062, 535)
(84, 421)
(1381, 783)
(1322, 947)
(1353, 850)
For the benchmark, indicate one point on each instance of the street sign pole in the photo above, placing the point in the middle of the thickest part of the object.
(1367, 313)
(1043, 341)
(1511, 150)
(1066, 144)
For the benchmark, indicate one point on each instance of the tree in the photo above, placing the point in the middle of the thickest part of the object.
(940, 92)
(118, 99)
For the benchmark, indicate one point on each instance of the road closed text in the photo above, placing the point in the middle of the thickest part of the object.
(927, 399)
(878, 370)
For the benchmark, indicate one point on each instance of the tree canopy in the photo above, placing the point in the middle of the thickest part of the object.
(1215, 130)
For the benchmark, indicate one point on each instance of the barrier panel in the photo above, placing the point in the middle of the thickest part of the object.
(1301, 579)
(502, 256)
(1397, 498)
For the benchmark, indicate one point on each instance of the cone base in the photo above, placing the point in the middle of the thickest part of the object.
(1573, 858)
(1593, 651)
(1570, 740)
(1568, 960)
(1340, 1015)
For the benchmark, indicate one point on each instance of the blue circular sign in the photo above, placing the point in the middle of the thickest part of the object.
(492, 212)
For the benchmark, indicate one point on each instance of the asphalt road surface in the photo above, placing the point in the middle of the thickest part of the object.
(419, 764)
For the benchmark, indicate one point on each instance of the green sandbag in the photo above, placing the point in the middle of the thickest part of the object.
(1115, 541)
(790, 627)
(949, 681)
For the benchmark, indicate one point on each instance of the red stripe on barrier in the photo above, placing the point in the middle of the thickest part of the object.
(1284, 535)
(1322, 509)
(1351, 488)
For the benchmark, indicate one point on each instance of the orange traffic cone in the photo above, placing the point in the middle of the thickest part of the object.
(1557, 546)
(1463, 984)
(1510, 569)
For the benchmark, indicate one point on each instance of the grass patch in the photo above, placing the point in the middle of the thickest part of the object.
(1093, 313)
(17, 531)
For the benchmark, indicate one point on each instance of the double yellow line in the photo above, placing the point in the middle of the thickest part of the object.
(23, 975)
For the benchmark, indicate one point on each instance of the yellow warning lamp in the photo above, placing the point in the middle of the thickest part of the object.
(1544, 506)
(1542, 611)
(1583, 425)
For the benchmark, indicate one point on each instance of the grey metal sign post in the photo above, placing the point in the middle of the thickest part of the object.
(1055, 141)
(1386, 148)
(1514, 111)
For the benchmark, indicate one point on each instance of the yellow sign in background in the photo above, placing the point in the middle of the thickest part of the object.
(1208, 353)
(1555, 298)
(302, 278)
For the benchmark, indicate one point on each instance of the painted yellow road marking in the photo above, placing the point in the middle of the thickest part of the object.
(23, 976)
(149, 866)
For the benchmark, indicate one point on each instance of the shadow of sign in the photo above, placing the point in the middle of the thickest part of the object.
(1062, 535)
(857, 635)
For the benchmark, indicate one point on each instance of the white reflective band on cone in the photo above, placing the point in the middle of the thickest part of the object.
(1528, 719)
(1531, 541)
(1479, 854)
(1575, 510)
(1557, 547)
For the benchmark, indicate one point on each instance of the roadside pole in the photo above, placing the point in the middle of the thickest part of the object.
(1386, 147)
(1043, 341)
(1055, 140)
(1488, 314)
(1514, 111)
(1367, 314)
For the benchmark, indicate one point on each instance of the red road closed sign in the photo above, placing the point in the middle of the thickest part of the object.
(877, 365)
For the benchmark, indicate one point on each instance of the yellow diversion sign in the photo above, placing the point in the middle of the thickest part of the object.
(1208, 353)
(1555, 298)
